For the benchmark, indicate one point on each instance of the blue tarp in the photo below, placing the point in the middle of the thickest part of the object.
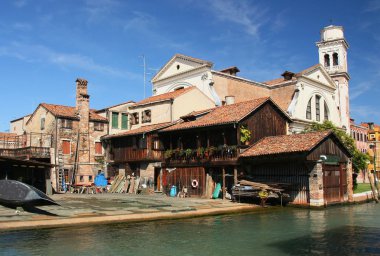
(100, 180)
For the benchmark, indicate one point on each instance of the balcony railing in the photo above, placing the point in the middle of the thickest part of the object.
(136, 154)
(211, 154)
(26, 152)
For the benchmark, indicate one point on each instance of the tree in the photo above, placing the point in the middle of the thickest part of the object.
(359, 160)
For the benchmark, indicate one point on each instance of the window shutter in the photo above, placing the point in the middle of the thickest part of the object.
(66, 149)
(124, 121)
(98, 148)
(115, 120)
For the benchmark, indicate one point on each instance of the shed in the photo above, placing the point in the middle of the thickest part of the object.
(315, 167)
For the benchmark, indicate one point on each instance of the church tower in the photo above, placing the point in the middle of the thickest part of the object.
(333, 56)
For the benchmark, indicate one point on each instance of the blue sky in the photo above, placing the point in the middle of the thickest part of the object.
(45, 45)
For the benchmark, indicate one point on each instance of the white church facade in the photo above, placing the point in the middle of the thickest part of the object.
(315, 94)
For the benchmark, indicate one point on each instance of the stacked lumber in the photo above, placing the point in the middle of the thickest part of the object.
(122, 184)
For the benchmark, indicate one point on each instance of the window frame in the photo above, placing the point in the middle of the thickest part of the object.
(115, 120)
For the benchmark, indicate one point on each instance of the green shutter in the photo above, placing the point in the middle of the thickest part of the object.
(124, 121)
(115, 120)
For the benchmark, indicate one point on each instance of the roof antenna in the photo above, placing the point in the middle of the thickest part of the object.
(146, 73)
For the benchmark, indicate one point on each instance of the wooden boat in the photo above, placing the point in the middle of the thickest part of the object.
(15, 194)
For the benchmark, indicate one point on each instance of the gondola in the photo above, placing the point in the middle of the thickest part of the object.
(14, 194)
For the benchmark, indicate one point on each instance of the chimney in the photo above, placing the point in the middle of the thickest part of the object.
(230, 71)
(230, 100)
(370, 126)
(287, 75)
(82, 103)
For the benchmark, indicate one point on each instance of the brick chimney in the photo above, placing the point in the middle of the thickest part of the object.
(83, 111)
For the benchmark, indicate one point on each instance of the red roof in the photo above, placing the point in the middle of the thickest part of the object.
(294, 143)
(222, 115)
(70, 112)
(282, 79)
(140, 130)
(7, 136)
(163, 97)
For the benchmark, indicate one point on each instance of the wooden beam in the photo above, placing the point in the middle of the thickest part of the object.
(224, 183)
(235, 176)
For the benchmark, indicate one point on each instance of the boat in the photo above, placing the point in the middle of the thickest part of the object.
(15, 194)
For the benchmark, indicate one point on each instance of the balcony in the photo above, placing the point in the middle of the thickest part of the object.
(26, 152)
(206, 156)
(136, 154)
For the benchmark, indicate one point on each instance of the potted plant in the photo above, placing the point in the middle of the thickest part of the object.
(188, 153)
(200, 152)
(211, 151)
(245, 135)
(168, 154)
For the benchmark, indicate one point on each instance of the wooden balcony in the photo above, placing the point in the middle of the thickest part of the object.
(195, 157)
(136, 155)
(26, 152)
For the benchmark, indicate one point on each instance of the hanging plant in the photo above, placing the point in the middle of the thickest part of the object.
(245, 134)
(188, 152)
(168, 153)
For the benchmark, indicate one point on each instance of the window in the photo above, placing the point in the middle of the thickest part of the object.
(327, 60)
(67, 124)
(146, 116)
(335, 59)
(308, 110)
(90, 178)
(135, 118)
(98, 148)
(142, 142)
(326, 111)
(124, 121)
(317, 108)
(66, 147)
(81, 178)
(115, 120)
(42, 123)
(98, 126)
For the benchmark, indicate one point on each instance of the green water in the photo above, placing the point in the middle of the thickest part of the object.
(347, 230)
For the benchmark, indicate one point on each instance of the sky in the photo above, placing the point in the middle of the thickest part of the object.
(46, 45)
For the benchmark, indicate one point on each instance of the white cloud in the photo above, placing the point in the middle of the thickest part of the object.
(243, 13)
(361, 88)
(99, 9)
(373, 6)
(22, 26)
(365, 113)
(40, 53)
(140, 21)
(19, 3)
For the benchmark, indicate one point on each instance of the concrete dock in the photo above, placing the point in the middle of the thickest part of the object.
(84, 209)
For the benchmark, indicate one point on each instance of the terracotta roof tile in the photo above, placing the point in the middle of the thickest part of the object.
(221, 115)
(70, 112)
(140, 130)
(293, 143)
(6, 135)
(164, 96)
(281, 80)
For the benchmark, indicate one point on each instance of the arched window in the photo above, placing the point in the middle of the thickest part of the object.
(327, 60)
(326, 111)
(308, 110)
(318, 107)
(335, 59)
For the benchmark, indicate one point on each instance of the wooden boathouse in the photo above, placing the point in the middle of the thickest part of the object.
(203, 149)
(316, 166)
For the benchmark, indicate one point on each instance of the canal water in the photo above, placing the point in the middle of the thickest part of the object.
(340, 230)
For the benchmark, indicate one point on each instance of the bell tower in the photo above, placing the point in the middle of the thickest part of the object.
(332, 51)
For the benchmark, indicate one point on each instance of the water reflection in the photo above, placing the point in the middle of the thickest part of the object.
(339, 230)
(347, 240)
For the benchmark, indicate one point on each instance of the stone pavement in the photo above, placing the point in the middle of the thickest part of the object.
(85, 209)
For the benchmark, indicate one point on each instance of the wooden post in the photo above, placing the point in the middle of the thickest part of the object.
(235, 176)
(224, 183)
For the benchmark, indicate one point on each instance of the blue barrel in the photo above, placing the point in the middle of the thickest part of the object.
(173, 191)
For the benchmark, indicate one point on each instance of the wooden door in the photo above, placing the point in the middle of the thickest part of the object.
(333, 183)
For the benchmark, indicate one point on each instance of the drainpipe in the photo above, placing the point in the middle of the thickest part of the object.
(171, 110)
(55, 153)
